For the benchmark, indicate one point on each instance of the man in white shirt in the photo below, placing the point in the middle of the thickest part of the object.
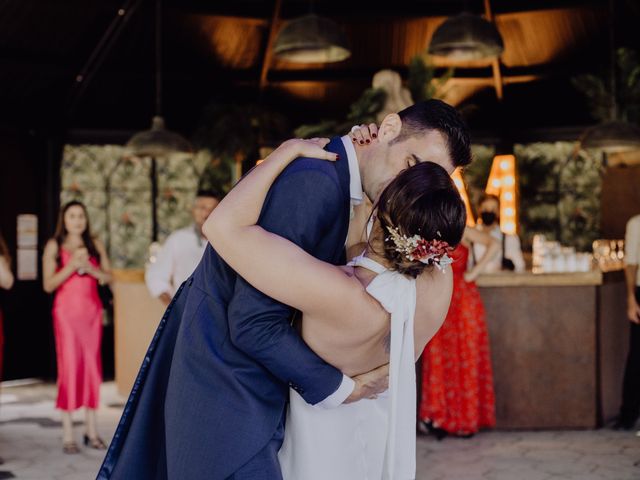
(489, 211)
(630, 408)
(182, 250)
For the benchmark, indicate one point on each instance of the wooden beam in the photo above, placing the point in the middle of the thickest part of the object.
(273, 29)
(495, 63)
(481, 81)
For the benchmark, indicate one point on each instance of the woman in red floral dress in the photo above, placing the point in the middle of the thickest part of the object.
(457, 381)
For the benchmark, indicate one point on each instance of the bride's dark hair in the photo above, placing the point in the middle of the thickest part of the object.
(422, 200)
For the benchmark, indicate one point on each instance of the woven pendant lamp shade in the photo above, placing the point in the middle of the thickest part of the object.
(466, 37)
(311, 39)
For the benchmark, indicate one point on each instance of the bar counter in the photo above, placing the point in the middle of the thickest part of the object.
(559, 344)
(136, 317)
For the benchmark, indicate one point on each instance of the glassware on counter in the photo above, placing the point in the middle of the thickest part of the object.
(608, 254)
(552, 257)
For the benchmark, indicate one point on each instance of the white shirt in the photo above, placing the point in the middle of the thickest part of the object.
(6, 275)
(180, 255)
(632, 244)
(357, 195)
(355, 183)
(512, 251)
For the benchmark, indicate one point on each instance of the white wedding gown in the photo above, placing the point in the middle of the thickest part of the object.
(369, 439)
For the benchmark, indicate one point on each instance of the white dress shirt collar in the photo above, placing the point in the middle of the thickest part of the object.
(355, 182)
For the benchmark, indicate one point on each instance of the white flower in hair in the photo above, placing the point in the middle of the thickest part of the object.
(415, 248)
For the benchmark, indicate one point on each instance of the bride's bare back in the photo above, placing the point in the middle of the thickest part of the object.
(360, 344)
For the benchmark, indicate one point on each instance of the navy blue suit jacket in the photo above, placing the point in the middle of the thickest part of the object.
(214, 384)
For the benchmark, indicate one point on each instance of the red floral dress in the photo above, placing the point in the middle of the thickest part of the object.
(457, 380)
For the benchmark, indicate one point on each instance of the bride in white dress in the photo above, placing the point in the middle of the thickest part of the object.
(383, 307)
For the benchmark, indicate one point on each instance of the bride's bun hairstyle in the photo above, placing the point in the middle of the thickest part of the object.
(422, 217)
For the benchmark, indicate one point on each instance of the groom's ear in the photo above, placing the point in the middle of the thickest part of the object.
(390, 128)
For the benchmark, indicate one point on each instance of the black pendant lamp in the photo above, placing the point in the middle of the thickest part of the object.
(311, 39)
(466, 37)
(158, 141)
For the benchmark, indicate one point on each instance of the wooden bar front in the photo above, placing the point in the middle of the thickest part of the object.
(136, 317)
(559, 344)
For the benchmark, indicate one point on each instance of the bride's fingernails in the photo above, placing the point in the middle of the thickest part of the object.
(353, 139)
(368, 141)
(374, 135)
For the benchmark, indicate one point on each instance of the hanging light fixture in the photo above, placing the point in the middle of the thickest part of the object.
(614, 135)
(311, 39)
(157, 141)
(466, 37)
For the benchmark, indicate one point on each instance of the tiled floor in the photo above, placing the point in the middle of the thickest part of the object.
(30, 445)
(580, 455)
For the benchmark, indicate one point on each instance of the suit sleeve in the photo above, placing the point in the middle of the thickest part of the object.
(301, 206)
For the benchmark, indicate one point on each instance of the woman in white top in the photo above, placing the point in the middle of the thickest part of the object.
(356, 317)
(509, 256)
(6, 276)
(6, 282)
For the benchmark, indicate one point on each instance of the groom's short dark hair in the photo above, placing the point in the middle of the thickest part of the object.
(437, 115)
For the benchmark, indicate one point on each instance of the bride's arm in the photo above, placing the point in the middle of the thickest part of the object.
(241, 207)
(273, 264)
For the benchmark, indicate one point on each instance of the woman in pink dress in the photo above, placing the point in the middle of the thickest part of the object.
(74, 263)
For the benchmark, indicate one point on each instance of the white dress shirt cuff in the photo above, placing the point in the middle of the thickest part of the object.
(340, 395)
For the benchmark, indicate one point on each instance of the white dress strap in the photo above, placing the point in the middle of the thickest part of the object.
(397, 294)
(369, 264)
(373, 439)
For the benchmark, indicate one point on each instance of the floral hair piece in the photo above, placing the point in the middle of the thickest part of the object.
(415, 248)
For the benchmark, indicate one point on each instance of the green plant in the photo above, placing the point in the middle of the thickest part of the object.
(363, 110)
(600, 98)
(422, 83)
(233, 132)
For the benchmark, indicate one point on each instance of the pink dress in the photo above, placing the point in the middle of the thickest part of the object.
(77, 326)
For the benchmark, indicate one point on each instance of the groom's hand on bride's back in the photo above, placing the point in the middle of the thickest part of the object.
(370, 384)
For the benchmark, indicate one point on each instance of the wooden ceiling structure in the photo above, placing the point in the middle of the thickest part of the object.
(215, 50)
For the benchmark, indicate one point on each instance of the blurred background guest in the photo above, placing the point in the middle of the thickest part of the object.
(457, 381)
(181, 251)
(74, 264)
(630, 408)
(6, 282)
(509, 255)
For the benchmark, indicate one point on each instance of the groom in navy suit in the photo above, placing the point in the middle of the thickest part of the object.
(210, 399)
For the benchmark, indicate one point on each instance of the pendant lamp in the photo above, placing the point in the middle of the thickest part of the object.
(157, 141)
(466, 37)
(311, 39)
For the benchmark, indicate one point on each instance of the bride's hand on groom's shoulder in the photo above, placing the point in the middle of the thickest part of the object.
(310, 148)
(364, 134)
(370, 384)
